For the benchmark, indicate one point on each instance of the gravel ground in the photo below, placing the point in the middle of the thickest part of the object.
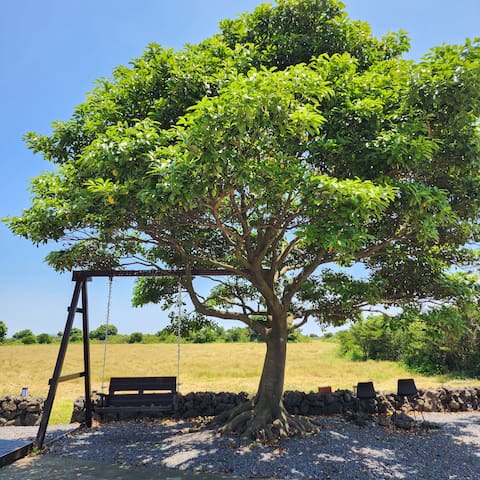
(341, 450)
(28, 434)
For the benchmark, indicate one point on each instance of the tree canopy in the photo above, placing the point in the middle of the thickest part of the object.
(291, 143)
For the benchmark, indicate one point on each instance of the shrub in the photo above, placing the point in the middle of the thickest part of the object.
(44, 338)
(76, 335)
(101, 331)
(165, 336)
(296, 336)
(135, 337)
(22, 334)
(369, 338)
(208, 334)
(445, 339)
(237, 334)
(29, 339)
(3, 331)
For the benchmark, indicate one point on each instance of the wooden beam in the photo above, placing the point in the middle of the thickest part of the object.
(85, 274)
(65, 378)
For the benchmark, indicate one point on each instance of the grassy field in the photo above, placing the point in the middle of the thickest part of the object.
(204, 367)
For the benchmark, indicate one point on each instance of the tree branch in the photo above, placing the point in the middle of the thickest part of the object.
(200, 307)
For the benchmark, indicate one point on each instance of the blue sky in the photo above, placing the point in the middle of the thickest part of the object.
(52, 51)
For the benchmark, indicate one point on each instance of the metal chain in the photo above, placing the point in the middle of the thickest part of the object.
(179, 330)
(109, 302)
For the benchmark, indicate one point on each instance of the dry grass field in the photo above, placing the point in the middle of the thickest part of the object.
(204, 367)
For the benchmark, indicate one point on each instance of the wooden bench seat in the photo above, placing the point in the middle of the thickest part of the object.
(133, 395)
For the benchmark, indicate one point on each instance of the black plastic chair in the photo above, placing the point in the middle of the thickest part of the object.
(406, 388)
(365, 391)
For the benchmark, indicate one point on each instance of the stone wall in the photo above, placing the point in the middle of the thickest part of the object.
(20, 411)
(206, 404)
(442, 399)
(26, 411)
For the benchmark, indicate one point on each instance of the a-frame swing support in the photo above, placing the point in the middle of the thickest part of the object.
(80, 293)
(79, 290)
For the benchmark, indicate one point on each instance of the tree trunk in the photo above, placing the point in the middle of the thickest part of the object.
(264, 417)
(268, 400)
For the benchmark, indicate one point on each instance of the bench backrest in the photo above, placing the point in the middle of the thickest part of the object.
(142, 391)
(142, 384)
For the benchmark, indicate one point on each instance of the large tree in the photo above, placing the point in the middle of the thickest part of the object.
(290, 145)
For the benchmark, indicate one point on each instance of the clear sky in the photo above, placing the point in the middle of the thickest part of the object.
(52, 51)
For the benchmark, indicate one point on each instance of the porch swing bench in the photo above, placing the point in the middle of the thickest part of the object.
(135, 395)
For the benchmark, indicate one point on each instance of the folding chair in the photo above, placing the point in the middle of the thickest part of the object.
(365, 391)
(406, 388)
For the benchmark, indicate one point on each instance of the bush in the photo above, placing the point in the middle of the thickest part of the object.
(44, 338)
(443, 340)
(135, 337)
(28, 339)
(208, 334)
(149, 338)
(237, 334)
(370, 338)
(22, 334)
(296, 336)
(3, 331)
(101, 331)
(76, 335)
(165, 336)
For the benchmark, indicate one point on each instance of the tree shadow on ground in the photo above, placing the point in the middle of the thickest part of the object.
(341, 450)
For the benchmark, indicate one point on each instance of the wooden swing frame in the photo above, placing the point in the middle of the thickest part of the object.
(81, 277)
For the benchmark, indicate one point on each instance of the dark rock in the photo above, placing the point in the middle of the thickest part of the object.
(403, 421)
(385, 404)
(9, 415)
(78, 414)
(384, 420)
(454, 405)
(360, 418)
(433, 400)
(317, 399)
(333, 408)
(347, 396)
(329, 399)
(8, 405)
(304, 407)
(293, 398)
(191, 413)
(32, 419)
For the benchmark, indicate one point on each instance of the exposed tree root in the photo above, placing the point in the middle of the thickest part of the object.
(247, 420)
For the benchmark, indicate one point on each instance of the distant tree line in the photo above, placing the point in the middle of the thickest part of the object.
(193, 329)
(25, 336)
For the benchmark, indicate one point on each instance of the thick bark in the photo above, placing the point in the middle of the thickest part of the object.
(265, 418)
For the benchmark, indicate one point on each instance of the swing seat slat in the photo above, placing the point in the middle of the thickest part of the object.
(138, 395)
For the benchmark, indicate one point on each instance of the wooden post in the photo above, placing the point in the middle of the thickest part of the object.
(86, 357)
(58, 366)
